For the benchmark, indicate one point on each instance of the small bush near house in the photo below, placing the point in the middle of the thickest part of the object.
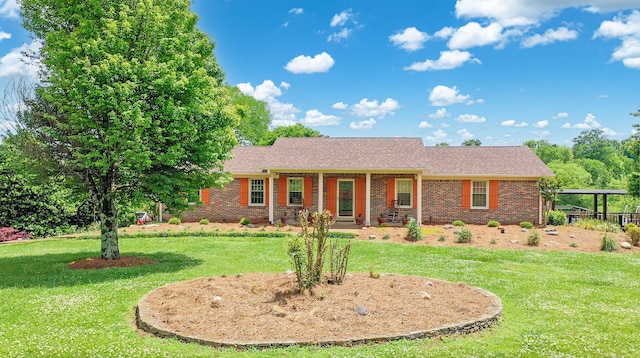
(245, 221)
(203, 222)
(11, 234)
(493, 242)
(458, 223)
(493, 223)
(609, 244)
(413, 231)
(630, 226)
(386, 237)
(526, 225)
(634, 235)
(464, 236)
(442, 238)
(174, 221)
(556, 217)
(533, 239)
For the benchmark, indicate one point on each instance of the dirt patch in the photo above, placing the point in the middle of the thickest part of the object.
(267, 309)
(95, 263)
(565, 238)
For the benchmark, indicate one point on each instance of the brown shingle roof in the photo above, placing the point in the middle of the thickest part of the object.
(485, 161)
(385, 154)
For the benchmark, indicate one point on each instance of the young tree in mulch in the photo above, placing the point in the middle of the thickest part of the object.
(549, 188)
(307, 250)
(131, 101)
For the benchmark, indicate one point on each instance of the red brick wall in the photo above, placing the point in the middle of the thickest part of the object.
(517, 202)
(442, 201)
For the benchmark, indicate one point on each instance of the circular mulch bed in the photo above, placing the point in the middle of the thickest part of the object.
(266, 310)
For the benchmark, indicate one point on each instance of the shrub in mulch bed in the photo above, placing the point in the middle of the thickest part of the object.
(11, 234)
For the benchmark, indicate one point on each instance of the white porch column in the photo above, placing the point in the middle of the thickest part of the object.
(367, 200)
(419, 194)
(271, 180)
(320, 192)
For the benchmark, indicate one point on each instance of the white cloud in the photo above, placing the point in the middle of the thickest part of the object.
(283, 114)
(363, 125)
(476, 101)
(4, 35)
(366, 108)
(473, 34)
(315, 118)
(445, 32)
(339, 105)
(561, 115)
(440, 113)
(341, 18)
(528, 12)
(296, 11)
(424, 124)
(513, 123)
(541, 124)
(340, 35)
(464, 133)
(470, 118)
(550, 36)
(15, 63)
(307, 64)
(9, 8)
(411, 39)
(588, 123)
(448, 60)
(443, 96)
(438, 136)
(626, 29)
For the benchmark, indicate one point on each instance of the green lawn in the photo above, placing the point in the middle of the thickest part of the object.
(556, 304)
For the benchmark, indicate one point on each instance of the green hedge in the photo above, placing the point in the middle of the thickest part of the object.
(202, 233)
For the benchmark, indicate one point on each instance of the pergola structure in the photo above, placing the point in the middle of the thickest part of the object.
(595, 193)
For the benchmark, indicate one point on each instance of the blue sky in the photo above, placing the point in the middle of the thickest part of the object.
(501, 71)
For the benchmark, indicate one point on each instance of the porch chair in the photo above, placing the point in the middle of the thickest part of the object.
(393, 212)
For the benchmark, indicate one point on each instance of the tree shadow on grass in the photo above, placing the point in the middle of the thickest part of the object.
(51, 270)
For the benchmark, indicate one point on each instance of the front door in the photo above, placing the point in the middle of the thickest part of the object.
(345, 198)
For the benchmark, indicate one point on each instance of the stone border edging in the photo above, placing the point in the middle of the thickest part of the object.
(148, 323)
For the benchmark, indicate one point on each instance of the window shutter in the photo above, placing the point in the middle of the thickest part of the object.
(493, 194)
(361, 192)
(332, 187)
(466, 194)
(415, 193)
(391, 192)
(204, 196)
(244, 192)
(266, 191)
(308, 191)
(282, 191)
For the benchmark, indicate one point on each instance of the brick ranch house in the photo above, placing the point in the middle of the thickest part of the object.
(368, 177)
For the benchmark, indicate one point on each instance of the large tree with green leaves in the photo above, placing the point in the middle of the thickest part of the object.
(131, 102)
(296, 130)
(254, 117)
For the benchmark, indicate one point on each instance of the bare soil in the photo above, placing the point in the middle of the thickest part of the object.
(268, 307)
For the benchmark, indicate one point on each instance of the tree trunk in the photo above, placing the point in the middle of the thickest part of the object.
(108, 219)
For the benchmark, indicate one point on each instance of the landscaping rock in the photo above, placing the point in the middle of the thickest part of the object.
(361, 310)
(279, 311)
(572, 236)
(513, 241)
(425, 295)
(372, 237)
(524, 230)
(626, 245)
(552, 233)
(429, 283)
(448, 226)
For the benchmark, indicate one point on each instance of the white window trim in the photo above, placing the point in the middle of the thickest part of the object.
(264, 192)
(411, 193)
(289, 191)
(486, 199)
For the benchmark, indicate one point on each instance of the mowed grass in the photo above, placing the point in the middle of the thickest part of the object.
(556, 304)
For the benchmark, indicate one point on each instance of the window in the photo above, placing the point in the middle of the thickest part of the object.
(404, 188)
(295, 187)
(479, 195)
(256, 192)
